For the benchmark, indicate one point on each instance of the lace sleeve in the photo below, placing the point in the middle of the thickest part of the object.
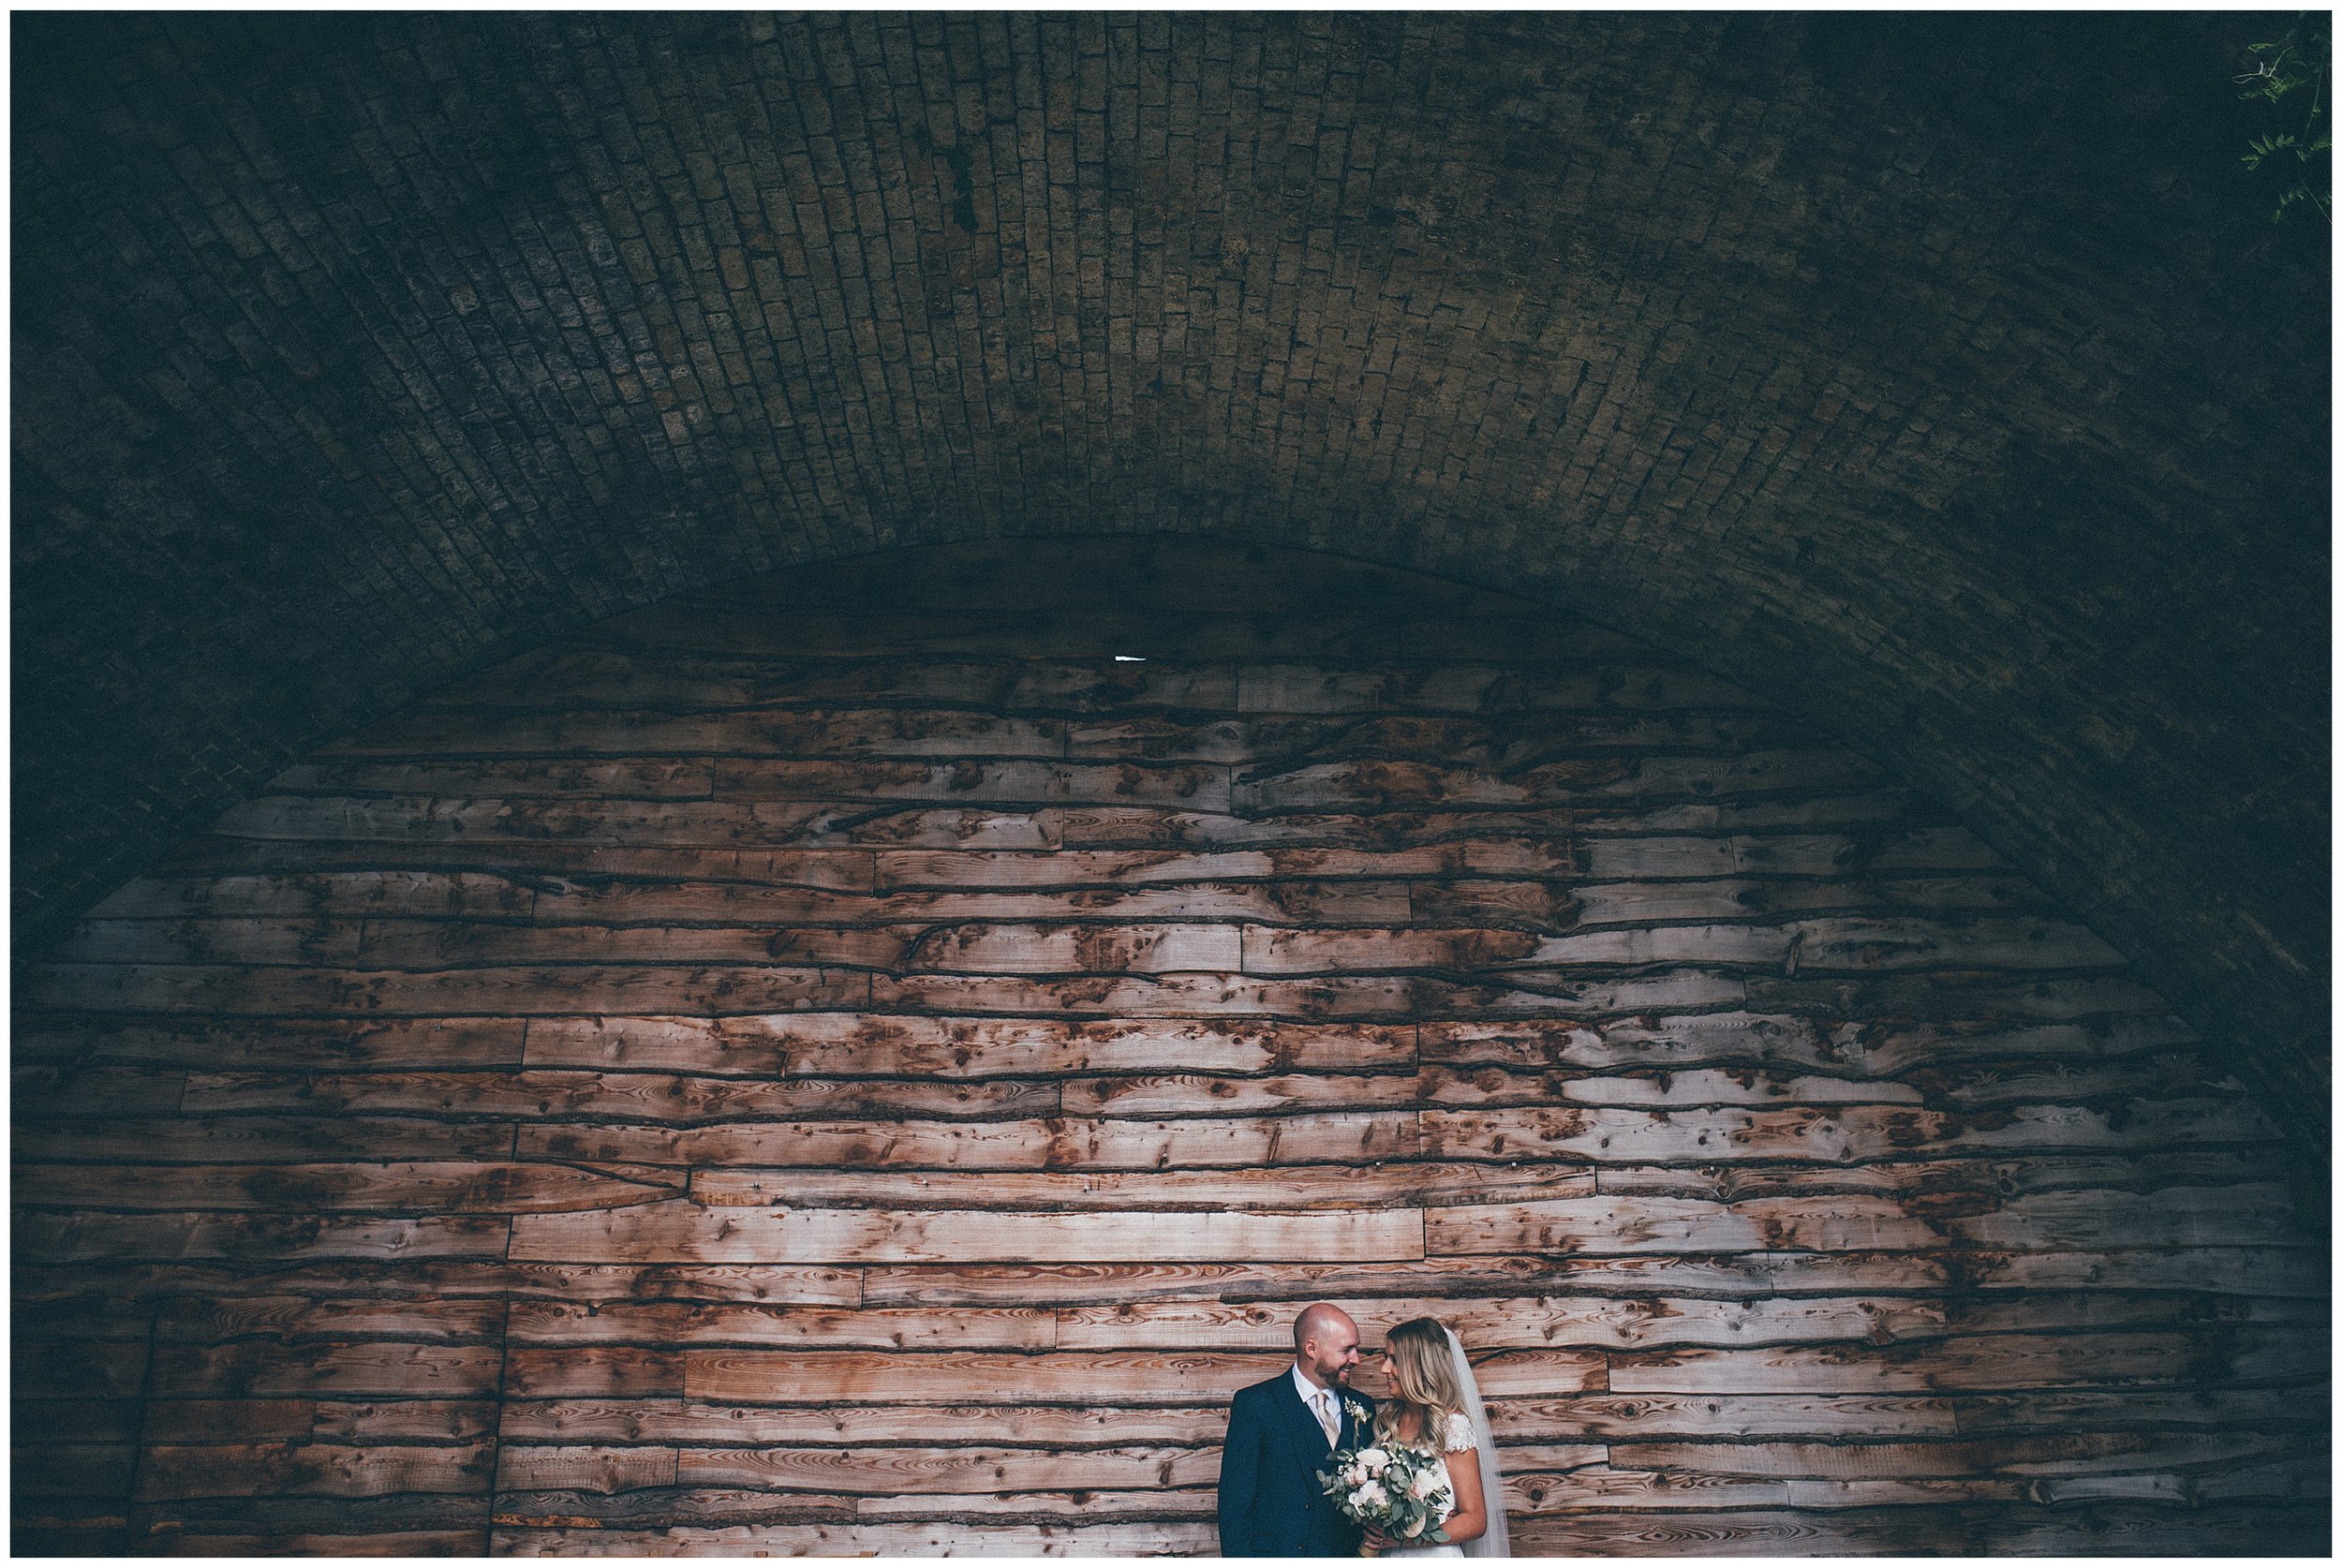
(1458, 1435)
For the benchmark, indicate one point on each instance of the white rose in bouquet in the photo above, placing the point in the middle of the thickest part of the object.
(1399, 1490)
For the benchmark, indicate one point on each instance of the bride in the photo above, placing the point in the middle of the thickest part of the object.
(1434, 1406)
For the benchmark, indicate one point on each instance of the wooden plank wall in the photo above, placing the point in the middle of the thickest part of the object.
(873, 1073)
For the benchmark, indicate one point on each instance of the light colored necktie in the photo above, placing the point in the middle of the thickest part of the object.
(1324, 1400)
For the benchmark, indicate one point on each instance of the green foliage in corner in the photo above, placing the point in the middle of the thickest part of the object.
(2289, 77)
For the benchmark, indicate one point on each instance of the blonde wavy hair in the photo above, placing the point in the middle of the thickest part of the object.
(1422, 1383)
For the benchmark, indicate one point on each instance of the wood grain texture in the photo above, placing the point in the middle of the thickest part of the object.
(849, 1085)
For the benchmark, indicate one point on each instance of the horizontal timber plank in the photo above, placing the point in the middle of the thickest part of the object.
(72, 1089)
(1143, 1537)
(198, 1421)
(94, 1313)
(580, 1468)
(1781, 1040)
(2139, 1076)
(197, 1139)
(1363, 1185)
(1076, 949)
(488, 823)
(839, 869)
(1976, 1529)
(690, 1424)
(314, 1045)
(1382, 785)
(311, 1469)
(74, 1420)
(1386, 999)
(908, 869)
(1594, 1225)
(624, 778)
(412, 944)
(637, 1096)
(2293, 1269)
(2051, 1412)
(1195, 786)
(1297, 901)
(1957, 997)
(1982, 1363)
(1626, 854)
(1178, 1377)
(889, 1471)
(82, 1237)
(1722, 1416)
(2085, 1218)
(445, 1279)
(1521, 1322)
(65, 1528)
(177, 1539)
(1160, 1506)
(1845, 944)
(1032, 1145)
(1726, 1276)
(2067, 1453)
(1684, 841)
(1742, 1086)
(2173, 1216)
(1599, 1488)
(55, 1471)
(1678, 839)
(690, 1233)
(1943, 1185)
(442, 1186)
(266, 1369)
(424, 894)
(626, 1372)
(199, 1320)
(676, 1322)
(78, 1370)
(857, 1044)
(1832, 1133)
(229, 988)
(2157, 1531)
(1172, 1094)
(1730, 898)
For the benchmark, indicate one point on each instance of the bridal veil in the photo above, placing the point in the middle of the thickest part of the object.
(1496, 1542)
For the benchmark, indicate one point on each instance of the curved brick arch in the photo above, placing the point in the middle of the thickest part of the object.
(1914, 374)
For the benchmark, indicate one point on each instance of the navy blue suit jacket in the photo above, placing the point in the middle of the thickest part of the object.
(1270, 1503)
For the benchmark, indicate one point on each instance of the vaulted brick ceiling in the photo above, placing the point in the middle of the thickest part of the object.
(1940, 377)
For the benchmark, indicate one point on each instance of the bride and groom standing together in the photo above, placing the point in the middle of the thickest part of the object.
(1283, 1431)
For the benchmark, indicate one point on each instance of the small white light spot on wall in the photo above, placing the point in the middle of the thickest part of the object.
(1129, 658)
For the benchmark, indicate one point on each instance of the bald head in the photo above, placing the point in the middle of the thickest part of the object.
(1325, 1344)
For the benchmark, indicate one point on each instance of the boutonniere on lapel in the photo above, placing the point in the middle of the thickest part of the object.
(1355, 1410)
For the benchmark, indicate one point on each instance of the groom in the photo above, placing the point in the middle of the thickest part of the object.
(1280, 1434)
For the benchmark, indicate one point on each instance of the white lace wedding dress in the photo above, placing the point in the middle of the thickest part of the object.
(1456, 1437)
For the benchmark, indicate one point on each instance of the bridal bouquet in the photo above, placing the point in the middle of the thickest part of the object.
(1391, 1488)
